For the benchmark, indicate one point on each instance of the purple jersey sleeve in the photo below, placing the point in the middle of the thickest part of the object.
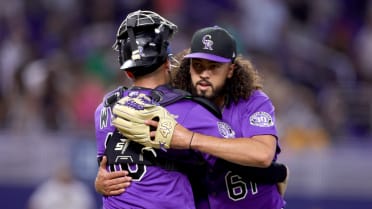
(255, 116)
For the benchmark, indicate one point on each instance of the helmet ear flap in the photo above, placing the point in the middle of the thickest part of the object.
(120, 50)
(124, 51)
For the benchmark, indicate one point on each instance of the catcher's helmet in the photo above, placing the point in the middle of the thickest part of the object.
(142, 42)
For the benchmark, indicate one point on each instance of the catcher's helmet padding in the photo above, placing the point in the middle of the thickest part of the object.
(142, 42)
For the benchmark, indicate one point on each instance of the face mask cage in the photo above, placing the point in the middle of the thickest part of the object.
(151, 33)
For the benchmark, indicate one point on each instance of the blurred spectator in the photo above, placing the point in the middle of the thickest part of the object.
(3, 111)
(38, 96)
(87, 95)
(62, 191)
(264, 21)
(363, 48)
(14, 50)
(25, 113)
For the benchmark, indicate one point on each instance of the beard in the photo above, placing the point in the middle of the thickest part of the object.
(212, 94)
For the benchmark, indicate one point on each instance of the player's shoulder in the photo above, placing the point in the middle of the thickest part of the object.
(109, 99)
(257, 100)
(257, 97)
(113, 96)
(259, 93)
(170, 95)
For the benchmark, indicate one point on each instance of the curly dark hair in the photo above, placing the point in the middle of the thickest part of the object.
(244, 81)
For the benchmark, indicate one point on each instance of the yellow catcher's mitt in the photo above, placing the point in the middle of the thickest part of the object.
(131, 111)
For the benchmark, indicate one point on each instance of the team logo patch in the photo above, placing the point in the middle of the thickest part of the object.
(225, 130)
(261, 119)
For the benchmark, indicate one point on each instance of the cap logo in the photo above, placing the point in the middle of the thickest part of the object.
(207, 41)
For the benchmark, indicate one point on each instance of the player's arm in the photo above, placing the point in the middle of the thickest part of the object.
(276, 173)
(111, 183)
(257, 151)
(273, 174)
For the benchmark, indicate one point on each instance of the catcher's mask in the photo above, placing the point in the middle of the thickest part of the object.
(142, 42)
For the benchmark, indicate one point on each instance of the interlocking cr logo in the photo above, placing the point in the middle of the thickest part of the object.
(207, 41)
(165, 128)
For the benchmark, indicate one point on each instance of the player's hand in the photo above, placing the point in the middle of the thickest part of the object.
(111, 183)
(282, 186)
(181, 136)
(130, 113)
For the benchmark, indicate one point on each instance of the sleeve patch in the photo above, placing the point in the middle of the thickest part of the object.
(225, 130)
(261, 119)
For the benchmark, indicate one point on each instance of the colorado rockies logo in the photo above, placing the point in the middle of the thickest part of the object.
(207, 41)
(225, 130)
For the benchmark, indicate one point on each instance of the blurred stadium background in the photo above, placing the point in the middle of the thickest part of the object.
(56, 62)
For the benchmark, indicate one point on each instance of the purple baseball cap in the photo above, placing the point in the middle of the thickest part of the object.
(213, 43)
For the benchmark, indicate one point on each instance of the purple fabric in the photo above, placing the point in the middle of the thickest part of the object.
(250, 117)
(211, 57)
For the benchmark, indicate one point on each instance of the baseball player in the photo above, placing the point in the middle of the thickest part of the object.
(213, 70)
(142, 43)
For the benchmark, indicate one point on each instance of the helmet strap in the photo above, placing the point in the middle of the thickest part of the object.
(164, 37)
(131, 23)
(118, 45)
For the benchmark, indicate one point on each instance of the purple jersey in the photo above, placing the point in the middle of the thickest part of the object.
(153, 186)
(254, 116)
